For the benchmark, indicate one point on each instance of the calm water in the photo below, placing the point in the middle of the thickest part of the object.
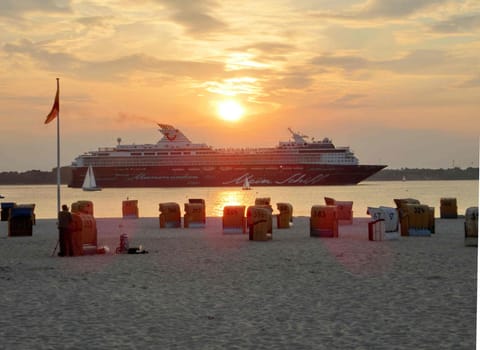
(108, 202)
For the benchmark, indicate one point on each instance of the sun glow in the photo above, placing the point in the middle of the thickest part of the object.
(230, 110)
(231, 197)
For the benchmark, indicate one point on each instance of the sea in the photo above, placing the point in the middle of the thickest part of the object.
(107, 203)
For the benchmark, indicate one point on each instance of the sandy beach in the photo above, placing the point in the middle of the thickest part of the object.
(200, 289)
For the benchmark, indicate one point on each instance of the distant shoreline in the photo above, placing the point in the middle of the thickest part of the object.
(425, 174)
(38, 177)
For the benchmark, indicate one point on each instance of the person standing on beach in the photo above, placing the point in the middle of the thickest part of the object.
(65, 222)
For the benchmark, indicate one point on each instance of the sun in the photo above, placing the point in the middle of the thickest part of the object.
(230, 110)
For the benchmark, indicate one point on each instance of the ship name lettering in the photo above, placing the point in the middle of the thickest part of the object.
(143, 176)
(252, 181)
(300, 178)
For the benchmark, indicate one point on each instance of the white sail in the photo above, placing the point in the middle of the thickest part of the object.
(89, 183)
(246, 184)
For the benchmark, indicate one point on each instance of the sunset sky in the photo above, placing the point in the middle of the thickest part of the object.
(396, 80)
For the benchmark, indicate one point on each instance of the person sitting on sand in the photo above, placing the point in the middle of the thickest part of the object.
(65, 222)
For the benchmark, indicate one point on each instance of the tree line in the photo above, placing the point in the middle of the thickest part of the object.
(425, 174)
(35, 177)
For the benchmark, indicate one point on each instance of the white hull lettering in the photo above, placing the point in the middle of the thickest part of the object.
(295, 179)
(251, 180)
(143, 176)
(302, 179)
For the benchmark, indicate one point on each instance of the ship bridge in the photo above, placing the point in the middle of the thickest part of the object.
(300, 140)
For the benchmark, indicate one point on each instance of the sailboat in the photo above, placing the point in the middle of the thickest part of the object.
(246, 185)
(89, 183)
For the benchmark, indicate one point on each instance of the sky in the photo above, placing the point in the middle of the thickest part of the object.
(397, 81)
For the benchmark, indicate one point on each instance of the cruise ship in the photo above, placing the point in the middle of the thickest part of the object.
(175, 161)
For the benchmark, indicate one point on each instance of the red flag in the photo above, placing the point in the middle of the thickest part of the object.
(55, 109)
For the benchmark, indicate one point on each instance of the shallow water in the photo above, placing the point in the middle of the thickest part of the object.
(108, 202)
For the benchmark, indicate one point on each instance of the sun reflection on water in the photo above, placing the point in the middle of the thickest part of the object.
(231, 197)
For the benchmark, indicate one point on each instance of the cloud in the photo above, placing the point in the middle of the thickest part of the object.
(123, 117)
(57, 60)
(465, 23)
(418, 62)
(346, 62)
(14, 8)
(266, 52)
(95, 21)
(296, 81)
(471, 83)
(377, 9)
(396, 8)
(267, 47)
(110, 69)
(349, 101)
(195, 16)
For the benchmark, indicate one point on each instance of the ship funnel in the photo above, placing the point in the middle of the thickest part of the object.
(172, 135)
(297, 137)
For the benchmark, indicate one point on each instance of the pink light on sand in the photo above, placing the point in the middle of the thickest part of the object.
(356, 254)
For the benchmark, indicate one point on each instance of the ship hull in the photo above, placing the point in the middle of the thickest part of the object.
(285, 175)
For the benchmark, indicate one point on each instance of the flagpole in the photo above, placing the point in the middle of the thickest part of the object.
(58, 151)
(55, 113)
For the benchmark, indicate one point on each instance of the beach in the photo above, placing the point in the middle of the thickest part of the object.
(198, 288)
